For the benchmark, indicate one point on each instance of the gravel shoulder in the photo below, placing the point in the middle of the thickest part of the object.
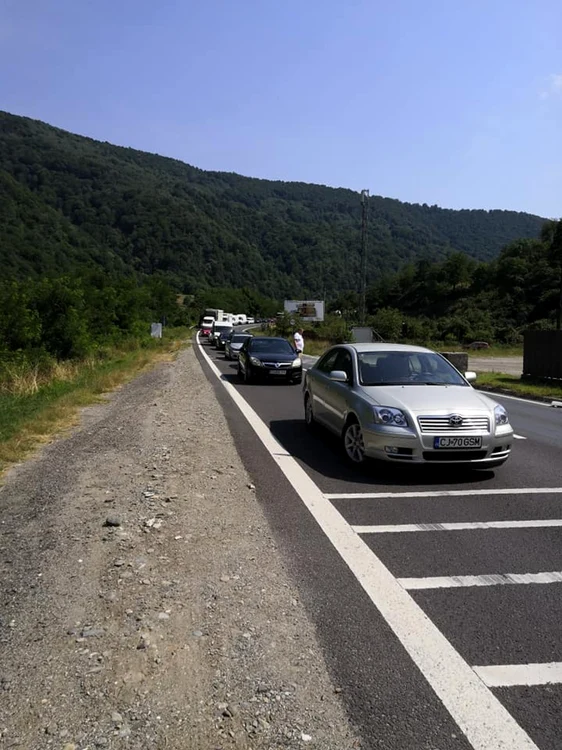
(143, 600)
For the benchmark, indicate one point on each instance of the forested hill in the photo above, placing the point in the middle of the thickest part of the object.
(67, 201)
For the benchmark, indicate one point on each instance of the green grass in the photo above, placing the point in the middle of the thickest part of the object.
(31, 417)
(525, 388)
(315, 347)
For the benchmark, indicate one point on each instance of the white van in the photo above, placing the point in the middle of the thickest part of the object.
(216, 331)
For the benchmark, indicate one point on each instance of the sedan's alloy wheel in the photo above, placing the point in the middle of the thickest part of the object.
(353, 443)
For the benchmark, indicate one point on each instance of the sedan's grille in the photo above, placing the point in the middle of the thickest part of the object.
(278, 365)
(443, 424)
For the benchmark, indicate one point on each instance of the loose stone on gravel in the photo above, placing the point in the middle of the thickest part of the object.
(92, 632)
(112, 521)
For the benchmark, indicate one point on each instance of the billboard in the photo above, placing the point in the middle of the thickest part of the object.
(307, 309)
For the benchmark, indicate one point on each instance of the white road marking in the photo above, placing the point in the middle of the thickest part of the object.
(493, 579)
(493, 395)
(484, 720)
(519, 437)
(462, 526)
(510, 675)
(443, 493)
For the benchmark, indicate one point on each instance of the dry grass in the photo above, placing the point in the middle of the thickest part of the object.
(24, 381)
(36, 406)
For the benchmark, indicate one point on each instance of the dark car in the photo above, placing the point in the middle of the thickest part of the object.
(269, 357)
(223, 336)
(234, 343)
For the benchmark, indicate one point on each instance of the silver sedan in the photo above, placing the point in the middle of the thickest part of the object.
(405, 404)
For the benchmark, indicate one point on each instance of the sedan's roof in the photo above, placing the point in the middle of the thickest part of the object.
(382, 347)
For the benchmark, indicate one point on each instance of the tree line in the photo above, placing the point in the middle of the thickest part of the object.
(460, 300)
(74, 316)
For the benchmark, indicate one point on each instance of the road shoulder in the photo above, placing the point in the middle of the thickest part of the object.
(145, 602)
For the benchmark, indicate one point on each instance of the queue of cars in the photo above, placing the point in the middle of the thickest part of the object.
(392, 402)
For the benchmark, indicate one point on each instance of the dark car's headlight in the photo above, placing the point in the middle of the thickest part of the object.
(297, 362)
(501, 415)
(390, 416)
(255, 361)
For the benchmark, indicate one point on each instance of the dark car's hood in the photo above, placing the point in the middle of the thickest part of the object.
(274, 356)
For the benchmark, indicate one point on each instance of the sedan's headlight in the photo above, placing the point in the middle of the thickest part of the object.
(297, 362)
(390, 416)
(501, 415)
(255, 361)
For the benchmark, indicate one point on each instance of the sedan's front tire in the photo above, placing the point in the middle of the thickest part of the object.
(353, 443)
(309, 420)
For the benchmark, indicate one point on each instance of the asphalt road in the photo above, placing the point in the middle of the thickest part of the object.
(493, 591)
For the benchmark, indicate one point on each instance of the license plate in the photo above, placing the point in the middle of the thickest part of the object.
(457, 442)
(277, 372)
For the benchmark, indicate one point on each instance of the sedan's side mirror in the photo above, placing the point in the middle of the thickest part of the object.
(470, 376)
(339, 376)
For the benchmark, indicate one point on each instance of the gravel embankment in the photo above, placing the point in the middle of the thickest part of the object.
(143, 601)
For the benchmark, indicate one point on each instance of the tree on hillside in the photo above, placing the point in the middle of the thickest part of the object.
(458, 269)
(555, 257)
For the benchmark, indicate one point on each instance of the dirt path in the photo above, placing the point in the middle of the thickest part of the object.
(143, 601)
(507, 365)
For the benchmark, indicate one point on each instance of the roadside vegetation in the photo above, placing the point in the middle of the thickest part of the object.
(64, 341)
(539, 390)
(37, 403)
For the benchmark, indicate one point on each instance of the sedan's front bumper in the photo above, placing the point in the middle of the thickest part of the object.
(397, 445)
(273, 374)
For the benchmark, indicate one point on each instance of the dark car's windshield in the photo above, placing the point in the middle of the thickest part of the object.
(270, 346)
(406, 368)
(238, 338)
(225, 333)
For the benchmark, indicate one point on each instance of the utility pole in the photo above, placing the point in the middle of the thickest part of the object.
(363, 293)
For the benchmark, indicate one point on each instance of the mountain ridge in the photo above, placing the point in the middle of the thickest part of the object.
(131, 211)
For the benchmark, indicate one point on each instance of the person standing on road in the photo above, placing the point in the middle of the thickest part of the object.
(299, 341)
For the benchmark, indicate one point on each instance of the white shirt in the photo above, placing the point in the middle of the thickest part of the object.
(299, 342)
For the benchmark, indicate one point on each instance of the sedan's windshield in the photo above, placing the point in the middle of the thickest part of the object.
(406, 368)
(239, 338)
(271, 345)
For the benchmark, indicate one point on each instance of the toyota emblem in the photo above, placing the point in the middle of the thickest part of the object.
(455, 420)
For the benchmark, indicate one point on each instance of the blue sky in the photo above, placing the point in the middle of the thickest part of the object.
(453, 102)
